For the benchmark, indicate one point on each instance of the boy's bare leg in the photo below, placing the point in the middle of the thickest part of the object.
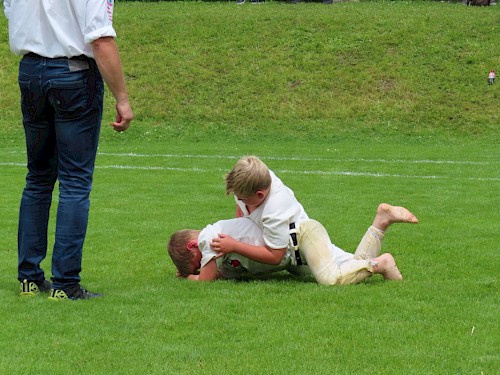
(386, 266)
(388, 215)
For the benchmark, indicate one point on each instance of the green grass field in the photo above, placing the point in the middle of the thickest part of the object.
(427, 140)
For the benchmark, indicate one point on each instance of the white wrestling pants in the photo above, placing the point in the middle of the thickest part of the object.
(331, 265)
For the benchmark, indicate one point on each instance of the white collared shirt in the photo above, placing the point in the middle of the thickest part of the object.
(233, 265)
(242, 229)
(276, 213)
(58, 28)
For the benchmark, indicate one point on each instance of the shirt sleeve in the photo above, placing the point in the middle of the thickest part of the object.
(6, 8)
(281, 209)
(276, 228)
(204, 239)
(98, 20)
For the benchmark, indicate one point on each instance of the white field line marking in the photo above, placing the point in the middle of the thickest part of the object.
(235, 157)
(424, 161)
(306, 172)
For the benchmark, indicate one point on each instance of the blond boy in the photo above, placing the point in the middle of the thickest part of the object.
(262, 197)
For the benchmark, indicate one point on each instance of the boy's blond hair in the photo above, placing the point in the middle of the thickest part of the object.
(248, 175)
(177, 249)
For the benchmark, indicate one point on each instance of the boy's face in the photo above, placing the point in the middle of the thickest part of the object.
(195, 260)
(255, 199)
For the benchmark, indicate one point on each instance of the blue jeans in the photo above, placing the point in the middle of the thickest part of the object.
(61, 102)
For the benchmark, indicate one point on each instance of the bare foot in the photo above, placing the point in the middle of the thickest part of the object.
(387, 215)
(386, 266)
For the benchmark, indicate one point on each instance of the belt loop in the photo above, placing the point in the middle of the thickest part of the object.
(293, 234)
(294, 246)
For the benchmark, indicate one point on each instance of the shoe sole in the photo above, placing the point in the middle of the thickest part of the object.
(28, 294)
(60, 295)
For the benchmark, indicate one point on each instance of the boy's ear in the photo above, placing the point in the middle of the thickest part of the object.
(192, 245)
(261, 194)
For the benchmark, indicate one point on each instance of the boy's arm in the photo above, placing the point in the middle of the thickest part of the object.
(207, 273)
(225, 244)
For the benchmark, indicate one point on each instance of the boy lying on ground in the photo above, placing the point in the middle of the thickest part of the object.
(219, 250)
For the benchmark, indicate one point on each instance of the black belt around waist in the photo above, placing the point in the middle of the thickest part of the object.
(33, 55)
(296, 254)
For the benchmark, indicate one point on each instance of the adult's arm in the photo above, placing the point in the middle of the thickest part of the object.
(108, 61)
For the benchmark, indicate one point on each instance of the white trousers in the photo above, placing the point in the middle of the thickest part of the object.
(331, 265)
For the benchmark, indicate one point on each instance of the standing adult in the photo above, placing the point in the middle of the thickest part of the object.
(68, 48)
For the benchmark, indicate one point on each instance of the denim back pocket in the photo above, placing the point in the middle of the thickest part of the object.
(69, 97)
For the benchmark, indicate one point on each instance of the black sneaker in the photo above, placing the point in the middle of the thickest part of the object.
(74, 294)
(239, 2)
(32, 288)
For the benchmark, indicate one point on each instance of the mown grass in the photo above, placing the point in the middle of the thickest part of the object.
(197, 70)
(351, 106)
(441, 319)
